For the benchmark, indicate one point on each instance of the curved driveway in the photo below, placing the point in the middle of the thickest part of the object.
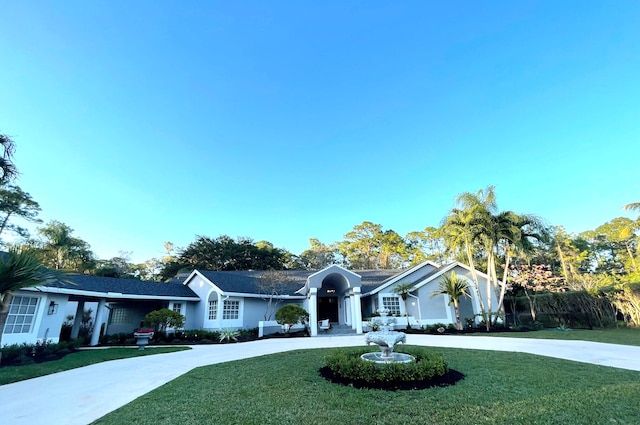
(80, 396)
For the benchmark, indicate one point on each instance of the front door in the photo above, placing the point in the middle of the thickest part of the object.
(328, 308)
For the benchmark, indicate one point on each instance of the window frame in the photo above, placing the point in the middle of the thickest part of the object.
(391, 302)
(26, 312)
(231, 310)
(213, 309)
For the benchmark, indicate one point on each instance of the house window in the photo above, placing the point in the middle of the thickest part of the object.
(177, 307)
(230, 310)
(392, 304)
(213, 310)
(22, 312)
(120, 316)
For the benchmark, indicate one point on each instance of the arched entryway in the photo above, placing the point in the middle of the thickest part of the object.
(334, 293)
(333, 289)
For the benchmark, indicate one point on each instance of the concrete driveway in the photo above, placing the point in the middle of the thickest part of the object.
(80, 396)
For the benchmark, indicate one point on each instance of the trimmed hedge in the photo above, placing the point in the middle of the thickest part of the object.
(347, 365)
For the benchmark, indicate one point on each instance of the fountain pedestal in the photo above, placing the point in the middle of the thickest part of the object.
(386, 340)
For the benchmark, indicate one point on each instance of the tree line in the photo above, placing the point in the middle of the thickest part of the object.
(503, 244)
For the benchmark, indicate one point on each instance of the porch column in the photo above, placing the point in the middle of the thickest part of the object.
(95, 336)
(220, 309)
(313, 311)
(354, 319)
(77, 322)
(358, 309)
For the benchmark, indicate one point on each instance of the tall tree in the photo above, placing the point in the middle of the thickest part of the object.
(362, 245)
(19, 269)
(516, 235)
(119, 266)
(615, 241)
(60, 250)
(427, 244)
(481, 206)
(225, 253)
(393, 252)
(458, 232)
(634, 206)
(318, 256)
(453, 287)
(16, 203)
(8, 170)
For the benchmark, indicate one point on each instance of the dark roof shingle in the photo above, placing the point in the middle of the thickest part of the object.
(248, 282)
(123, 286)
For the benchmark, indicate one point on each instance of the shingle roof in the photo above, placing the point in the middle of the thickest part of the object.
(248, 282)
(123, 286)
(371, 279)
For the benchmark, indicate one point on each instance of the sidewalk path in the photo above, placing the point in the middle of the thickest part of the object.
(80, 396)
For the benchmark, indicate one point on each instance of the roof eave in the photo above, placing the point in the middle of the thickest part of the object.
(108, 295)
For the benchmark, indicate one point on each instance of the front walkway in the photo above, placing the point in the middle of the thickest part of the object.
(80, 396)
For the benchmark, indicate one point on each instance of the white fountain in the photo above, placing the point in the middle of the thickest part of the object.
(386, 339)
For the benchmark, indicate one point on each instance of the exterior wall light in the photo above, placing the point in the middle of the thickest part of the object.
(53, 308)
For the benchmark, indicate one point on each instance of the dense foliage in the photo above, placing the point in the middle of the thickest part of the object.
(290, 315)
(22, 354)
(225, 253)
(347, 365)
(163, 318)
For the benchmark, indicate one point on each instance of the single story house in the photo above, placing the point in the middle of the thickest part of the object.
(215, 300)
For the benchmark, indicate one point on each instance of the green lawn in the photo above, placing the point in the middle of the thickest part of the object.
(499, 388)
(625, 336)
(9, 374)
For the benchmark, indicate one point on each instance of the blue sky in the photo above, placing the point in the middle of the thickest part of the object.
(143, 122)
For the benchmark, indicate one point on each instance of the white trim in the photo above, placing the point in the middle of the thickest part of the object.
(110, 295)
(401, 276)
(262, 296)
(445, 269)
(333, 266)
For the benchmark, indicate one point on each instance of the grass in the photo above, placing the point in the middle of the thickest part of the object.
(625, 336)
(499, 388)
(9, 374)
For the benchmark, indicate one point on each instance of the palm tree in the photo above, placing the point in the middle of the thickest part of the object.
(454, 287)
(8, 170)
(465, 227)
(634, 206)
(62, 251)
(516, 234)
(403, 289)
(20, 269)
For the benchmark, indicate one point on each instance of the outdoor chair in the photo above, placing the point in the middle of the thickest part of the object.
(324, 325)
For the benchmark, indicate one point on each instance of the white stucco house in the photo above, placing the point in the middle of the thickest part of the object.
(215, 300)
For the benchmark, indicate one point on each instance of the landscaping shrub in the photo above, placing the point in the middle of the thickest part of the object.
(347, 365)
(21, 354)
(226, 335)
(290, 315)
(161, 319)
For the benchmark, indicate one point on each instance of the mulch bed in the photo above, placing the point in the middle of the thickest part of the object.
(450, 378)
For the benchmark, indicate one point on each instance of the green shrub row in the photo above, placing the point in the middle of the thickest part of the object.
(194, 336)
(20, 354)
(347, 364)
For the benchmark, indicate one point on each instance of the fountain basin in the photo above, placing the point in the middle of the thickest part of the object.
(393, 358)
(385, 338)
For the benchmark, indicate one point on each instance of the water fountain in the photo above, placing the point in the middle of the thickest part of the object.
(386, 339)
